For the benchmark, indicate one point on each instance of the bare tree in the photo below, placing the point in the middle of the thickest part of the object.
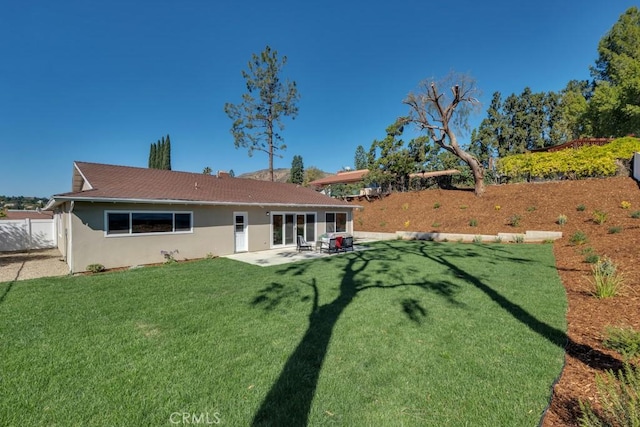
(442, 116)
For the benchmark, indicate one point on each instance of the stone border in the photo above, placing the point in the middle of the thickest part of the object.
(529, 236)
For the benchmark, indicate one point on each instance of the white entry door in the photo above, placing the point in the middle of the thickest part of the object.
(240, 231)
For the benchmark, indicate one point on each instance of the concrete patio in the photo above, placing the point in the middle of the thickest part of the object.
(285, 255)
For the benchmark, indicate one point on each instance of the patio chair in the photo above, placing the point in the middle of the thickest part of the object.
(331, 247)
(339, 243)
(347, 243)
(303, 245)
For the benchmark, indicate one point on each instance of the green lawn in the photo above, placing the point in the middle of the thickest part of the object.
(406, 333)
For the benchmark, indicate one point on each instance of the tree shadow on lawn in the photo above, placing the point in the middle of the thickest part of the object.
(289, 400)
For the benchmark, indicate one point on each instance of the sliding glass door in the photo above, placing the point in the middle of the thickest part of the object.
(286, 226)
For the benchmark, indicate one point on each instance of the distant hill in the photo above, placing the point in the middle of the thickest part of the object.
(279, 175)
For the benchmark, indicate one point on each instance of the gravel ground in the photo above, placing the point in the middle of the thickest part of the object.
(31, 265)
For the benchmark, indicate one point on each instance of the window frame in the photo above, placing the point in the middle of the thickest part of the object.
(130, 232)
(335, 221)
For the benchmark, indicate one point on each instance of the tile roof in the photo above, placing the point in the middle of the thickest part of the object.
(15, 214)
(95, 181)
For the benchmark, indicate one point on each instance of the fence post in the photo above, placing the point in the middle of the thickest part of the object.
(29, 232)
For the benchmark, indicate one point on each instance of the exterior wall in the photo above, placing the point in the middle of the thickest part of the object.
(636, 166)
(213, 233)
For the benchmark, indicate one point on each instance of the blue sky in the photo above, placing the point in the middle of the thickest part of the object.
(100, 81)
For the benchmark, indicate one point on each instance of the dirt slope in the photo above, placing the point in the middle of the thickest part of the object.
(538, 206)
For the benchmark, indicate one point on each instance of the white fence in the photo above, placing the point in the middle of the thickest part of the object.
(25, 234)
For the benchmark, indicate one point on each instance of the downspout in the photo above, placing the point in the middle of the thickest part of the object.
(69, 235)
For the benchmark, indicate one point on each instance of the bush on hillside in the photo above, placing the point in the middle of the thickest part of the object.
(583, 162)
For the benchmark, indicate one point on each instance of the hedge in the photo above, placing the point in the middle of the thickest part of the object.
(583, 162)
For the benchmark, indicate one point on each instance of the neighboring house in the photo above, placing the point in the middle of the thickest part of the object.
(122, 216)
(373, 191)
(342, 177)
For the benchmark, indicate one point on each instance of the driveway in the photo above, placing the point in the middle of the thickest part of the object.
(31, 265)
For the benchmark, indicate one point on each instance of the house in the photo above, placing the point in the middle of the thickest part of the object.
(345, 177)
(342, 177)
(122, 216)
(372, 191)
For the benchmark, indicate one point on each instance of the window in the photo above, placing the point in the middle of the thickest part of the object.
(118, 223)
(151, 222)
(336, 222)
(127, 223)
(287, 225)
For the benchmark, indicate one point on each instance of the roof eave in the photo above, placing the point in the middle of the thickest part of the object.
(58, 200)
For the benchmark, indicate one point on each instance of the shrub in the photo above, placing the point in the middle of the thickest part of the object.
(496, 207)
(587, 251)
(463, 206)
(625, 341)
(435, 225)
(578, 238)
(562, 219)
(436, 205)
(587, 161)
(514, 220)
(600, 217)
(635, 214)
(615, 229)
(620, 398)
(169, 256)
(498, 239)
(406, 224)
(473, 222)
(625, 204)
(518, 238)
(592, 258)
(95, 268)
(405, 206)
(581, 208)
(477, 239)
(606, 279)
(531, 209)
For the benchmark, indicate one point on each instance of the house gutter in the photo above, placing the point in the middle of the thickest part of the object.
(59, 200)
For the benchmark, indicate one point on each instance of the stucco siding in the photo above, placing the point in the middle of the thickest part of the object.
(212, 233)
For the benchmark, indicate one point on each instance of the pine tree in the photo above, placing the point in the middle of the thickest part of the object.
(360, 160)
(257, 121)
(160, 154)
(152, 156)
(297, 170)
(166, 164)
